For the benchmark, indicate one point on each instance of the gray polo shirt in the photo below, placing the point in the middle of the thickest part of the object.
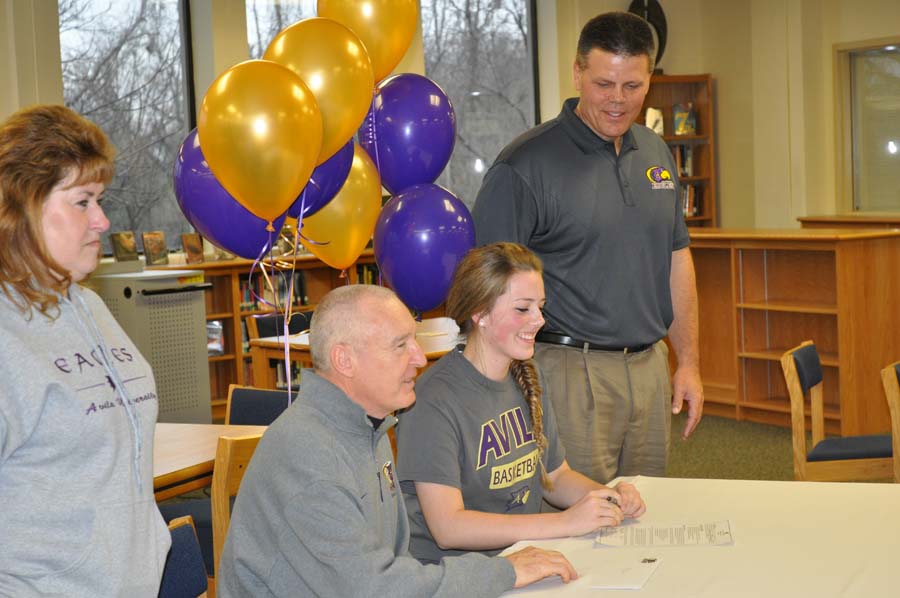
(604, 225)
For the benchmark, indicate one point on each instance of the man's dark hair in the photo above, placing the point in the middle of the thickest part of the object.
(620, 33)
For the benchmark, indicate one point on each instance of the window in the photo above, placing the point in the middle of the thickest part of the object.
(875, 85)
(869, 88)
(481, 54)
(124, 68)
(265, 18)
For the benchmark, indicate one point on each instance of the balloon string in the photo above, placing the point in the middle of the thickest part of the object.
(287, 312)
(311, 242)
(374, 133)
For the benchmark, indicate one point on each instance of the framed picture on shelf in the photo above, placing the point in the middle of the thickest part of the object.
(193, 248)
(156, 253)
(684, 119)
(124, 246)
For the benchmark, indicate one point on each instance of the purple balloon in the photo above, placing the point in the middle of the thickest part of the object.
(420, 237)
(212, 210)
(409, 132)
(324, 183)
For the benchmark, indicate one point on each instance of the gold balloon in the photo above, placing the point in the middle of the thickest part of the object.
(339, 232)
(260, 130)
(334, 64)
(386, 27)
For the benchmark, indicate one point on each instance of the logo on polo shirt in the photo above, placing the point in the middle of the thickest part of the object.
(660, 178)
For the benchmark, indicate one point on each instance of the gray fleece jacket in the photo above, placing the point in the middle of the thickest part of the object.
(77, 514)
(320, 514)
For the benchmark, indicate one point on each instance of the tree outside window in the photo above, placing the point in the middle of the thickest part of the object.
(265, 18)
(480, 53)
(123, 67)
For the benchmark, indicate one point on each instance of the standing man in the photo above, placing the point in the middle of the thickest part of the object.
(320, 512)
(597, 198)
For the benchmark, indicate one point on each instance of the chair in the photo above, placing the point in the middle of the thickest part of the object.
(184, 574)
(264, 325)
(212, 515)
(833, 459)
(254, 406)
(232, 457)
(890, 379)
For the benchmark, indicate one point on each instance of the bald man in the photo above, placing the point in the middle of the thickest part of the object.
(319, 512)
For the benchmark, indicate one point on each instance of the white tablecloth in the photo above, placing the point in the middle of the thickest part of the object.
(791, 539)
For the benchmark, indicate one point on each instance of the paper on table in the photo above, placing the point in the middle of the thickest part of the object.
(618, 574)
(710, 533)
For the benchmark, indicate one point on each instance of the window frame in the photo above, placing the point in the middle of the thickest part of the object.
(845, 175)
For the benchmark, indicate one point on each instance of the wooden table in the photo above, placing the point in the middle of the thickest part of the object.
(436, 336)
(183, 455)
(820, 539)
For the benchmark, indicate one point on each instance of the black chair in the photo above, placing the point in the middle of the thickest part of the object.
(246, 406)
(200, 512)
(832, 459)
(184, 575)
(266, 325)
(250, 406)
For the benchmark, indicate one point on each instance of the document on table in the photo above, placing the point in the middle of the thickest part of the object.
(612, 573)
(710, 533)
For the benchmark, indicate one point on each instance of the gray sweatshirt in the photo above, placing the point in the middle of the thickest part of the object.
(77, 514)
(320, 514)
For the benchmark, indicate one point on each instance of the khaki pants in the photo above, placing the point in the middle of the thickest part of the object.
(613, 409)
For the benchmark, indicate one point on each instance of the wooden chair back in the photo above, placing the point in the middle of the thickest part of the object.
(833, 459)
(890, 379)
(233, 454)
(251, 406)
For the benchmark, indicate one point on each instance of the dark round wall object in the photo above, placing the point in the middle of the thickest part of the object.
(652, 12)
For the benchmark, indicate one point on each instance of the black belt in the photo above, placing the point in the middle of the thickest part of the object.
(562, 339)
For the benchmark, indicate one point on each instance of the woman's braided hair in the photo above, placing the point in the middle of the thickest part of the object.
(481, 277)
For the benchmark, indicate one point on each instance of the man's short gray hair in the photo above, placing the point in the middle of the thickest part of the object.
(342, 318)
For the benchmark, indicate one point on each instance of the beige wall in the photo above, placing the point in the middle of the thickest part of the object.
(772, 62)
(29, 68)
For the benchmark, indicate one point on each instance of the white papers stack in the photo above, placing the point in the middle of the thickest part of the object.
(711, 533)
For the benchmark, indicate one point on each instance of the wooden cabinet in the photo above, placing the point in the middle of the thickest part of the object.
(762, 292)
(224, 304)
(695, 153)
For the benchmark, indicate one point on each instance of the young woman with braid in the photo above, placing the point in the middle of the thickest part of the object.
(479, 450)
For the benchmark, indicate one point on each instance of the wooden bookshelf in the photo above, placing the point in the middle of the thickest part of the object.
(762, 292)
(224, 303)
(700, 178)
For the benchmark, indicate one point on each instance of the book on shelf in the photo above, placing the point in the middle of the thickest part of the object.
(367, 273)
(654, 121)
(684, 119)
(215, 338)
(245, 337)
(684, 160)
(193, 248)
(156, 253)
(124, 246)
(258, 295)
(689, 200)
